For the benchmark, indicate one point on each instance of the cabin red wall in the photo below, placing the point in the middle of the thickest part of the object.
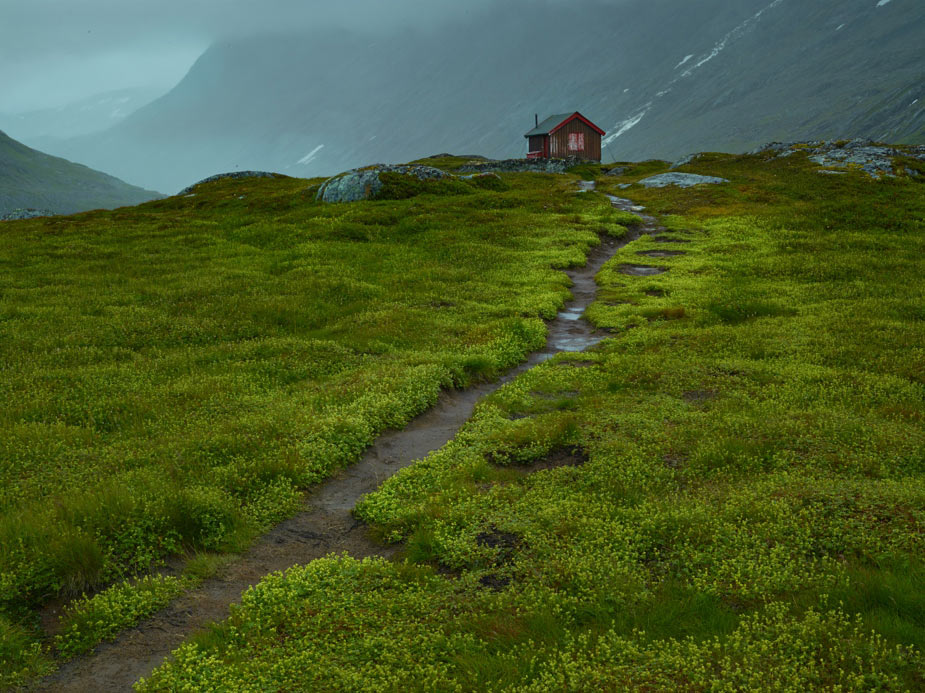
(559, 142)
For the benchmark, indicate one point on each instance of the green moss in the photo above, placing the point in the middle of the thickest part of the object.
(489, 182)
(22, 657)
(397, 186)
(726, 494)
(91, 620)
(745, 514)
(178, 373)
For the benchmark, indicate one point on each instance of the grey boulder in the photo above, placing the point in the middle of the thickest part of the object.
(365, 183)
(682, 180)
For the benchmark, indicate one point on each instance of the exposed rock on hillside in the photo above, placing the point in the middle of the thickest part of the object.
(521, 165)
(233, 174)
(875, 159)
(685, 160)
(683, 180)
(366, 183)
(482, 177)
(18, 214)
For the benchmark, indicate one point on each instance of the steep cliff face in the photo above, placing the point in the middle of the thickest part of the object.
(663, 77)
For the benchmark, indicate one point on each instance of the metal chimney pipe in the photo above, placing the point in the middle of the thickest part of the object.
(536, 118)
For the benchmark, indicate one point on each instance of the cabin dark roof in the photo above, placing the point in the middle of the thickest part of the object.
(552, 123)
(548, 124)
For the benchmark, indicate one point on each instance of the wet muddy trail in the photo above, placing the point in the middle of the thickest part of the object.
(327, 524)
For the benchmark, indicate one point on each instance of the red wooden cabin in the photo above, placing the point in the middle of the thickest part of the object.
(565, 135)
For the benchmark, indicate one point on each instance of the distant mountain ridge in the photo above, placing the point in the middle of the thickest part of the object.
(663, 77)
(31, 179)
(90, 114)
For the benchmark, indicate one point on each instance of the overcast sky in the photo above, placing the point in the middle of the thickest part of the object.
(54, 52)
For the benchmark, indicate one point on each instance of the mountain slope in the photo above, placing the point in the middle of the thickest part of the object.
(29, 178)
(664, 77)
(87, 115)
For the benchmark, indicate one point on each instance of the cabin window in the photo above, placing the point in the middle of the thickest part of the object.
(576, 142)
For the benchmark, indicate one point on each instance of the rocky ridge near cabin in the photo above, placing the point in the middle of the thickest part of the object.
(875, 159)
(521, 166)
(682, 180)
(365, 184)
(20, 214)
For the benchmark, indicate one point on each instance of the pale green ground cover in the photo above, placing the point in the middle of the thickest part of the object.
(174, 374)
(751, 512)
(90, 620)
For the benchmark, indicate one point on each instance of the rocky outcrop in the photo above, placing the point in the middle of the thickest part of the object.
(874, 159)
(18, 214)
(477, 178)
(365, 183)
(233, 174)
(682, 180)
(684, 161)
(522, 165)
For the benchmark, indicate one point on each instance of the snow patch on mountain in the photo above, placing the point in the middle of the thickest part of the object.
(624, 126)
(628, 124)
(308, 158)
(731, 36)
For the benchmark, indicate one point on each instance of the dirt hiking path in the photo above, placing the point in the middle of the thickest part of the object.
(327, 525)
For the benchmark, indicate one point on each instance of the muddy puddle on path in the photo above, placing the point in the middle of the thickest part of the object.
(327, 524)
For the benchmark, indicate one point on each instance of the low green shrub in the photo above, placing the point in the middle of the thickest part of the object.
(22, 657)
(397, 186)
(91, 620)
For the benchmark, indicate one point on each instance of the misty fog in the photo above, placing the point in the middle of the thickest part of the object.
(310, 90)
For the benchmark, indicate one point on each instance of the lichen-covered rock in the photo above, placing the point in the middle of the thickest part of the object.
(232, 174)
(874, 159)
(19, 214)
(366, 183)
(683, 180)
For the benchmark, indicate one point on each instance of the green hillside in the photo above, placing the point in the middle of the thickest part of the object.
(30, 179)
(175, 373)
(725, 494)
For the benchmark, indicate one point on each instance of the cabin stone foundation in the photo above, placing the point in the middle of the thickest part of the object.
(521, 165)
